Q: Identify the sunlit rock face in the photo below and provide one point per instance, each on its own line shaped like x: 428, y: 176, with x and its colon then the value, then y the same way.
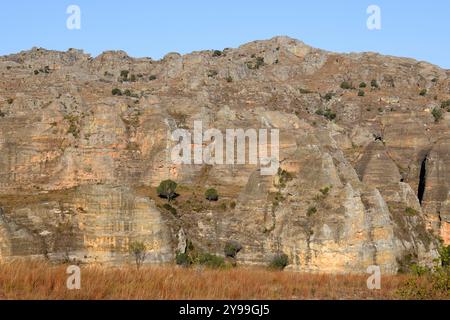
x: 364, y: 180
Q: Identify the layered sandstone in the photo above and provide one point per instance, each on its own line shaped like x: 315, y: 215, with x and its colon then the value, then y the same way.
x: 79, y: 166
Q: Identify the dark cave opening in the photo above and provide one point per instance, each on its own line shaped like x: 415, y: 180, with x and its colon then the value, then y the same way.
x: 422, y: 179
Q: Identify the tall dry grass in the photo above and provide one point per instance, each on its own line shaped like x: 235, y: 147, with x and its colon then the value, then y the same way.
x: 39, y: 280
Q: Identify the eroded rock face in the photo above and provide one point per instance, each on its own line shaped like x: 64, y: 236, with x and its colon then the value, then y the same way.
x: 79, y: 166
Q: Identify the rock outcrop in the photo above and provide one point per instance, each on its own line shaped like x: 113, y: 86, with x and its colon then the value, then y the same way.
x: 79, y: 165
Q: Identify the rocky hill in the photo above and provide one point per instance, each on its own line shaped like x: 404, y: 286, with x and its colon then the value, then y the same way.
x: 365, y: 156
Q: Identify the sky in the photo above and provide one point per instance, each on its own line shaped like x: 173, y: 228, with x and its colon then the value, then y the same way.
x: 149, y: 28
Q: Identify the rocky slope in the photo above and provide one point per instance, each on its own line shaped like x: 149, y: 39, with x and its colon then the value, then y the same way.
x: 79, y: 165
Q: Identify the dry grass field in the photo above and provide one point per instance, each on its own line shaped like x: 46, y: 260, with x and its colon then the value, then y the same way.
x: 38, y: 280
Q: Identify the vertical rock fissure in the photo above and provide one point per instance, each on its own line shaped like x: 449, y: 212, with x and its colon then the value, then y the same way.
x: 422, y: 180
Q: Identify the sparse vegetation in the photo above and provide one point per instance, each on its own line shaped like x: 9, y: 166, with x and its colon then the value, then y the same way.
x: 311, y: 211
x: 166, y: 189
x: 116, y: 92
x: 361, y: 93
x: 257, y: 63
x: 327, y: 113
x: 423, y: 92
x: 445, y: 104
x: 437, y: 114
x: 410, y: 211
x: 328, y: 96
x: 139, y: 251
x: 232, y: 248
x: 170, y: 209
x: 362, y: 85
x: 212, y: 194
x: 217, y: 53
x: 346, y: 85
x: 374, y: 84
x: 279, y: 261
x: 212, y: 73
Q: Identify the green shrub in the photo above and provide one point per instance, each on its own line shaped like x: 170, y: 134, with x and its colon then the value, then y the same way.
x: 423, y: 92
x: 362, y: 85
x: 437, y: 114
x: 183, y: 259
x: 152, y: 77
x: 311, y: 211
x: 410, y: 211
x: 139, y: 250
x: 346, y: 85
x: 374, y: 84
x: 127, y: 93
x: 445, y: 104
x: 166, y: 189
x: 328, y: 96
x: 232, y: 248
x: 361, y: 93
x: 212, y: 194
x: 124, y: 74
x: 210, y: 260
x: 116, y: 92
x: 279, y: 261
x: 217, y: 53
x: 328, y: 114
x: 169, y: 208
x: 212, y: 73
x: 444, y: 256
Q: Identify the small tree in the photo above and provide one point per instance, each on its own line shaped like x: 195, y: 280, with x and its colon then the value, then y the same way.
x: 166, y: 189
x: 437, y: 114
x: 212, y: 194
x: 374, y: 84
x: 139, y: 250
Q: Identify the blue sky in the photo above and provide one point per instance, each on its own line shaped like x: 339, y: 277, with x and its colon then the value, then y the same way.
x: 417, y: 29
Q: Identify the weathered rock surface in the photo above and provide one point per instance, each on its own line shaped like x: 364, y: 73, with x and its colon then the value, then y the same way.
x: 79, y: 166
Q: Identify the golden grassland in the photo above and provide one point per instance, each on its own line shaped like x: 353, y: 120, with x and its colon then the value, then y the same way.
x: 39, y: 280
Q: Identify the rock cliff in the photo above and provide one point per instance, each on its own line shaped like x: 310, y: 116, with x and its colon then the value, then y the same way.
x: 365, y: 157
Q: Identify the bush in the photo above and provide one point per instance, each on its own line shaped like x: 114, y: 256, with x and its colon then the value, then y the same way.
x: 444, y: 254
x: 124, y: 74
x: 212, y: 194
x: 328, y: 96
x: 410, y: 211
x: 311, y: 211
x: 445, y: 104
x: 328, y: 114
x: 116, y: 92
x: 437, y: 114
x: 374, y: 84
x: 166, y: 189
x: 217, y: 53
x: 279, y: 262
x: 362, y: 85
x: 423, y: 92
x: 346, y: 85
x: 152, y: 77
x: 361, y: 93
x: 210, y: 260
x: 232, y: 248
x: 212, y: 73
x: 127, y: 93
x: 10, y: 100
x: 139, y: 250
x: 171, y: 209
x: 183, y: 259
x: 229, y: 79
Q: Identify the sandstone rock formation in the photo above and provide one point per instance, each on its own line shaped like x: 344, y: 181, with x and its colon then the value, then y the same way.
x: 79, y: 165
